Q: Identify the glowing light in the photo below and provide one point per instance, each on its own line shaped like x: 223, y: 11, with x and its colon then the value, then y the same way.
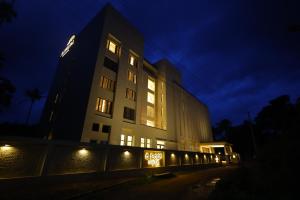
x: 196, y: 156
x: 219, y: 153
x: 154, y: 158
x: 6, y: 147
x: 233, y: 156
x: 186, y: 156
x: 69, y: 45
x: 83, y: 152
x: 217, y: 159
x: 172, y: 155
x: 126, y: 153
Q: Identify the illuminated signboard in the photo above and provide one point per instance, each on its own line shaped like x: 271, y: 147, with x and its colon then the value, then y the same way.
x: 154, y: 158
x: 69, y: 45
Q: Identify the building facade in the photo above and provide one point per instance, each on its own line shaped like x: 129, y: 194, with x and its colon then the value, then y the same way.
x: 105, y: 91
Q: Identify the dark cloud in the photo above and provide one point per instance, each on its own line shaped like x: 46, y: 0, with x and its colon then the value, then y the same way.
x: 234, y: 55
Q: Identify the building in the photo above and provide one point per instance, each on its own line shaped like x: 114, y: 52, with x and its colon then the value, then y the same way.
x: 105, y: 91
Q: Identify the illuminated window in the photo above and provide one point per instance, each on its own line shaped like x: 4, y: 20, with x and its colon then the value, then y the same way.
x: 150, y: 98
x: 148, y: 143
x: 142, y: 142
x: 150, y: 111
x: 151, y: 85
x: 103, y: 105
x: 160, y: 144
x: 132, y: 76
x: 129, y: 113
x: 133, y: 60
x: 107, y: 83
x: 130, y: 94
x: 150, y: 123
x: 122, y: 141
x: 112, y: 46
x: 129, y: 140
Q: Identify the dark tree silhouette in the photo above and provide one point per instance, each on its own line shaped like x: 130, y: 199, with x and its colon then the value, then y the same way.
x: 34, y: 95
x: 224, y: 127
x: 7, y: 13
x: 7, y: 89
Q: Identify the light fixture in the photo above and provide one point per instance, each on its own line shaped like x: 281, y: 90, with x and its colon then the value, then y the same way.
x: 83, y: 152
x: 126, y: 153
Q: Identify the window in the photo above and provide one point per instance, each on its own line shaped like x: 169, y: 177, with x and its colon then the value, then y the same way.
x: 103, y: 105
x: 148, y: 143
x: 130, y: 94
x: 56, y: 98
x: 122, y: 141
x: 113, y: 46
x: 151, y: 85
x: 129, y: 140
x: 107, y: 83
x: 150, y: 123
x: 133, y: 60
x: 95, y: 127
x: 132, y: 76
x: 129, y: 113
x: 51, y: 116
x: 142, y: 142
x: 150, y: 111
x: 106, y: 129
x: 150, y: 98
x: 160, y: 144
x: 110, y: 64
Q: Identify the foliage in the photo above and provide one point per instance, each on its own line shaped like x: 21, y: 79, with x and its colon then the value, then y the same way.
x: 272, y: 175
x: 7, y: 89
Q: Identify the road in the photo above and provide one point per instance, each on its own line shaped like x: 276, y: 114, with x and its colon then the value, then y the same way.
x: 188, y: 185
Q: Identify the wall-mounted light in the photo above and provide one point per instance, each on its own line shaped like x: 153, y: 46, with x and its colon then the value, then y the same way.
x: 186, y: 156
x: 83, y: 152
x: 126, y: 153
x: 6, y: 147
x: 217, y: 159
x: 233, y: 156
x: 196, y: 156
x: 219, y: 153
x: 172, y: 155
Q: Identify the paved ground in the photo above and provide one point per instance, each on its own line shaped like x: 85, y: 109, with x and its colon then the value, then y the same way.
x: 188, y: 185
x: 184, y: 185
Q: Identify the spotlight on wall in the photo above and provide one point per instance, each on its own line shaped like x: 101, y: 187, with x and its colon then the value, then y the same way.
x: 172, y: 155
x: 5, y: 147
x: 196, y: 156
x: 233, y: 156
x: 186, y: 156
x: 83, y: 152
x: 126, y: 153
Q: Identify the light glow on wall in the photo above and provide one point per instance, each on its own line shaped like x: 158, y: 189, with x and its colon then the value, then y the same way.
x: 126, y: 153
x: 172, y: 155
x: 69, y: 45
x: 6, y: 147
x: 154, y: 158
x: 83, y: 152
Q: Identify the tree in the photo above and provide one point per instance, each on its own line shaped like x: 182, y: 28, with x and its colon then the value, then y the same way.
x: 34, y: 95
x: 7, y: 13
x: 223, y: 127
x: 7, y: 89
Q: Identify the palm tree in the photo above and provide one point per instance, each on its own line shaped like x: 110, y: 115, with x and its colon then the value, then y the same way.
x: 34, y: 95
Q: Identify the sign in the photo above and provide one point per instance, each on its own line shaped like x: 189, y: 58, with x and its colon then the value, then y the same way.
x: 154, y: 158
x: 69, y: 45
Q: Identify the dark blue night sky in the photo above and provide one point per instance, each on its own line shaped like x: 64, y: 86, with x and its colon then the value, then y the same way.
x: 234, y: 55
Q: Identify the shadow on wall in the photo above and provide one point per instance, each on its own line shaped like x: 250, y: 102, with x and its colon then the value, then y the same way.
x: 29, y: 158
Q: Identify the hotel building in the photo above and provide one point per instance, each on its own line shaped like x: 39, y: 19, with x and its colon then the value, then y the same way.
x: 106, y: 92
